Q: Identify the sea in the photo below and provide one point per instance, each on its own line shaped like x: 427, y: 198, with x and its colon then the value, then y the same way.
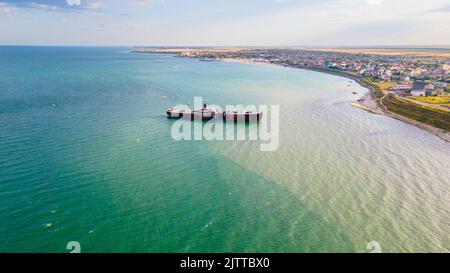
x: 87, y: 156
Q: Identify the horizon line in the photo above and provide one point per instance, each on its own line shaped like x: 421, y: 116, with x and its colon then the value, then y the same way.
x: 241, y: 46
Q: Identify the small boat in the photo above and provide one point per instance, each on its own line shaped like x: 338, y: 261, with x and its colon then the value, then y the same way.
x: 355, y: 93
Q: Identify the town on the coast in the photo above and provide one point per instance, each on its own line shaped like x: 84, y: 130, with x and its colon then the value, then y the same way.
x: 405, y: 75
x: 408, y: 84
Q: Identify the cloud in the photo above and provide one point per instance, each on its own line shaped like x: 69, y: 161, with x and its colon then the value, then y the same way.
x: 230, y: 22
x: 142, y: 1
x: 445, y: 8
x: 73, y: 2
x: 6, y: 8
x: 92, y: 4
x: 51, y: 5
x: 43, y: 6
x: 374, y: 2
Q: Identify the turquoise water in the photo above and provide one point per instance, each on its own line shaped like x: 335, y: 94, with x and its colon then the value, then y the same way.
x: 86, y: 155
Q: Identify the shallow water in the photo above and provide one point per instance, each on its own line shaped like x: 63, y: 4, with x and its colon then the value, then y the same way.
x: 86, y: 155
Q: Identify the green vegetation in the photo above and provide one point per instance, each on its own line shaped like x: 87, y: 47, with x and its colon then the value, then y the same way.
x: 386, y: 85
x: 427, y: 115
x: 377, y: 91
x: 435, y: 100
x: 434, y: 117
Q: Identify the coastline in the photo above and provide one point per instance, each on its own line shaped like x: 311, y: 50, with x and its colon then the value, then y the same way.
x: 369, y: 103
x: 373, y: 105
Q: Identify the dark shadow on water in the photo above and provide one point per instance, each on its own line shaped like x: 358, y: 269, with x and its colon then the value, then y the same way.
x: 261, y: 216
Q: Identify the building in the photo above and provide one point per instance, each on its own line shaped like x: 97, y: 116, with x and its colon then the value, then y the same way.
x: 441, y: 85
x: 418, y: 89
x: 430, y: 90
x: 401, y: 87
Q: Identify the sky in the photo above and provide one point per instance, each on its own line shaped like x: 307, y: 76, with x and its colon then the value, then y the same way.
x: 226, y: 22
